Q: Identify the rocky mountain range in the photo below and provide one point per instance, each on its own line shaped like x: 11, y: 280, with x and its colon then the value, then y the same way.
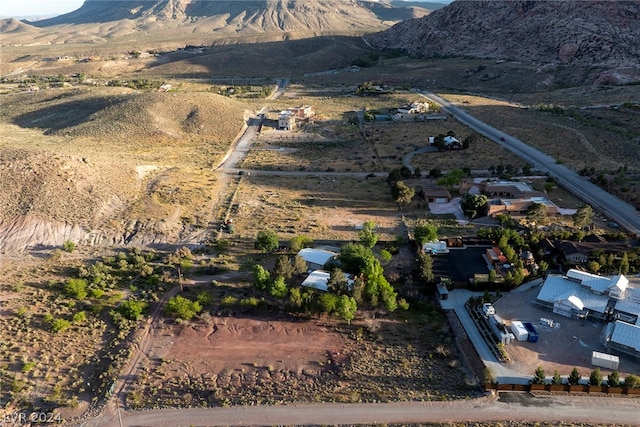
x: 602, y: 34
x: 98, y: 20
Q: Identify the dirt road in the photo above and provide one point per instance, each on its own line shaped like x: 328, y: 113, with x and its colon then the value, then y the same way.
x: 510, y: 406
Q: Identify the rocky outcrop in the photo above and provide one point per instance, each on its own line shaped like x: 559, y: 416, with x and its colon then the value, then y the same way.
x: 596, y: 33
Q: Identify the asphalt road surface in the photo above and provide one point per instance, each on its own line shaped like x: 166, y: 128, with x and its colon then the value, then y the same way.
x: 623, y: 213
x: 510, y: 406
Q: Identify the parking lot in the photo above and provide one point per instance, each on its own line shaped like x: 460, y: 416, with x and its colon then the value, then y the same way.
x: 563, y: 348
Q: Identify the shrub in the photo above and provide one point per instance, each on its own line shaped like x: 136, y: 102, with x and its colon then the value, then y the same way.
x: 182, y: 308
x: 69, y: 246
x: 79, y: 317
x: 261, y: 277
x: 632, y: 381
x: 76, y: 288
x: 229, y: 301
x: 279, y: 288
x: 300, y: 242
x: 596, y: 377
x: 557, y: 379
x: 328, y: 302
x: 28, y: 366
x: 539, y: 376
x: 60, y: 325
x: 613, y: 380
x: 132, y: 309
x: 574, y: 377
x: 267, y: 241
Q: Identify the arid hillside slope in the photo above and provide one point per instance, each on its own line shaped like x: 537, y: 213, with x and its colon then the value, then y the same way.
x: 600, y: 34
x: 100, y: 20
x: 110, y: 166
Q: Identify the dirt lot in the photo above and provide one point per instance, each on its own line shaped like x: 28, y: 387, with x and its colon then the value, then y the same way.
x: 564, y: 348
x: 248, y: 355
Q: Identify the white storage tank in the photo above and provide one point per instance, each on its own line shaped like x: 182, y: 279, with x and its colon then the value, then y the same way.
x: 604, y: 360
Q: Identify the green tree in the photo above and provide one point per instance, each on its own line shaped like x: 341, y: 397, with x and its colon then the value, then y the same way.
x: 299, y: 265
x: 283, y: 268
x: 537, y: 213
x: 338, y: 283
x: 267, y: 241
x: 295, y: 298
x: 596, y: 377
x: 425, y: 267
x: 300, y: 242
x: 182, y: 308
x: 452, y: 178
x: 132, y: 309
x: 354, y: 257
x: 557, y: 379
x: 346, y: 308
x: 574, y: 377
x: 474, y: 205
x: 402, y: 194
x: 632, y: 381
x: 583, y: 216
x: 76, y: 288
x: 279, y: 288
x: 261, y: 278
x: 624, y: 264
x: 438, y: 142
x: 368, y: 237
x: 425, y: 232
x: 539, y: 376
x: 328, y: 302
x: 613, y: 380
x: 492, y: 275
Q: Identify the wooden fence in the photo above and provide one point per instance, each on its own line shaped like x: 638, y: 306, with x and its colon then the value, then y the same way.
x: 581, y: 388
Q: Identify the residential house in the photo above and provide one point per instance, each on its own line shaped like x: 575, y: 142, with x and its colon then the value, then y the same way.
x: 519, y: 207
x: 286, y: 120
x: 572, y: 253
x: 436, y: 195
x: 452, y: 143
x: 414, y: 108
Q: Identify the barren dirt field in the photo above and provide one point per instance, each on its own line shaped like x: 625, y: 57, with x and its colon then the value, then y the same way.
x: 245, y: 355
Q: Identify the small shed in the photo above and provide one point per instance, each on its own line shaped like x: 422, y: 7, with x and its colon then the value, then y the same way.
x: 316, y: 258
x: 317, y: 279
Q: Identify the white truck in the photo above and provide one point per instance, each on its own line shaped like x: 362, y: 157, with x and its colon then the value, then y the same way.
x: 488, y: 309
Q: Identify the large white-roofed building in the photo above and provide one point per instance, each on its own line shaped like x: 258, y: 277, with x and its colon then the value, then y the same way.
x: 579, y: 294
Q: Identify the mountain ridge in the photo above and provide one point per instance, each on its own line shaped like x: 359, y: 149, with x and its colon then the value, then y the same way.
x: 600, y: 33
x: 98, y: 20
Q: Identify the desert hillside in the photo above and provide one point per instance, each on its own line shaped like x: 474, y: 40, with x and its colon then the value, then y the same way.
x: 100, y: 20
x: 110, y: 165
x: 600, y: 34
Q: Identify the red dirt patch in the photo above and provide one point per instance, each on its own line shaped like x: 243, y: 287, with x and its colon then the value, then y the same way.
x: 219, y: 343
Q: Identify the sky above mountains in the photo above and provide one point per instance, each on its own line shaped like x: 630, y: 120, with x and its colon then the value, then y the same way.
x: 48, y: 8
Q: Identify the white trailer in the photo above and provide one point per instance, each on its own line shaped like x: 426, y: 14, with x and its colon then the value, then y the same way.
x: 604, y: 360
x: 519, y: 331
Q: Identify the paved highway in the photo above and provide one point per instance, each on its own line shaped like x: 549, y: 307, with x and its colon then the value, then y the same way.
x: 623, y: 213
